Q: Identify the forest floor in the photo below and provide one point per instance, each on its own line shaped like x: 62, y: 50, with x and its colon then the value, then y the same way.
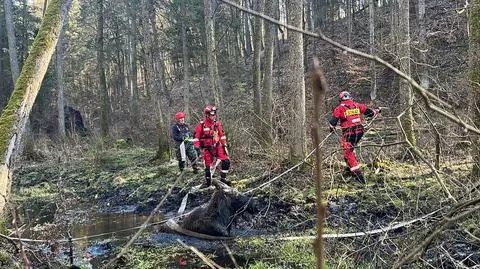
x: 57, y: 200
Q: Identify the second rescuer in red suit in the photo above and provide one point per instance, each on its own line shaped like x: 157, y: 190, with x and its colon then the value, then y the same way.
x: 209, y: 137
x: 349, y: 114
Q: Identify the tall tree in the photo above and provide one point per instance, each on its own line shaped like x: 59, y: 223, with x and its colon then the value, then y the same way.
x: 257, y: 71
x: 132, y: 60
x: 212, y: 52
x: 105, y: 110
x: 247, y: 36
x: 186, y: 63
x: 267, y: 100
x: 371, y: 23
x: 474, y: 77
x: 310, y: 17
x: 14, y: 116
x: 156, y: 84
x: 295, y: 80
x: 60, y: 83
x: 349, y: 14
x: 12, y: 43
x: 424, y: 80
x: 158, y: 59
x: 405, y: 90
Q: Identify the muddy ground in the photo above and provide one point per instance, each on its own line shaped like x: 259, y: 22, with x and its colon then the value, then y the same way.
x: 107, y: 196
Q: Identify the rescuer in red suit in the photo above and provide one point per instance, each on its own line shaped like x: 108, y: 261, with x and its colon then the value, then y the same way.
x: 211, y: 141
x: 349, y: 114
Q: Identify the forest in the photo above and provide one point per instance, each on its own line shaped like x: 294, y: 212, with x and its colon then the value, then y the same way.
x: 240, y: 134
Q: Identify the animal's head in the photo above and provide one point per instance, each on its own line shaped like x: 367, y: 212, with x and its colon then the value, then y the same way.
x: 241, y: 203
x: 230, y: 204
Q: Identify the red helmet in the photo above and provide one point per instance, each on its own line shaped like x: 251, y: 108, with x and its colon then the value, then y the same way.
x: 179, y: 115
x: 344, y: 96
x: 210, y: 110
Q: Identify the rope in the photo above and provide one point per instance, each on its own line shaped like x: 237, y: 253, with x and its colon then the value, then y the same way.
x: 180, y: 211
x: 174, y: 226
x: 291, y: 168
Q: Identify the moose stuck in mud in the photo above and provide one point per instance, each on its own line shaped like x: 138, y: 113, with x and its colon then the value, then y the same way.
x: 214, y: 219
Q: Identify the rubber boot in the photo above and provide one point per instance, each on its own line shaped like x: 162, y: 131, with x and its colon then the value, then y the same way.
x: 359, y: 176
x: 207, y: 183
x: 195, y: 169
x: 181, y: 165
x: 208, y: 179
x: 223, y: 178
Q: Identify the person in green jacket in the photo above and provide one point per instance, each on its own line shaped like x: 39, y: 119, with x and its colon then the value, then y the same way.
x: 184, y: 143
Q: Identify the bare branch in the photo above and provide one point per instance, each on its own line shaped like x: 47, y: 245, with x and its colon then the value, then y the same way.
x: 447, y: 222
x: 202, y: 256
x: 419, y: 154
x: 319, y: 88
x: 144, y: 225
x: 426, y: 95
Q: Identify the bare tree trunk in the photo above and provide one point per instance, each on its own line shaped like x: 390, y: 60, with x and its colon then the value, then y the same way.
x: 15, y: 114
x: 132, y: 62
x: 12, y: 43
x: 405, y: 91
x: 155, y: 79
x: 105, y: 110
x: 295, y: 81
x: 257, y: 71
x: 322, y: 13
x: 310, y: 16
x: 394, y: 24
x: 349, y: 22
x: 246, y: 32
x: 158, y: 59
x: 267, y: 115
x: 60, y: 84
x: 240, y: 33
x: 474, y: 78
x: 371, y: 9
x: 319, y: 88
x: 424, y: 80
x: 211, y: 53
x: 186, y: 65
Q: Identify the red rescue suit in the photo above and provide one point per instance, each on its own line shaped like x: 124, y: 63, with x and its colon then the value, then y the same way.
x: 349, y: 113
x: 210, y: 138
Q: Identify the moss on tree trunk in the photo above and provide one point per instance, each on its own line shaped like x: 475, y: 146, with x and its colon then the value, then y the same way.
x: 15, y: 114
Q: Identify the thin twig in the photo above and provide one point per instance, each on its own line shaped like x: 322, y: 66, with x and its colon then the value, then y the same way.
x: 230, y: 254
x: 144, y: 225
x: 202, y: 256
x: 22, y: 248
x: 447, y: 222
x: 291, y: 168
x: 385, y: 229
x: 419, y: 154
x: 9, y: 239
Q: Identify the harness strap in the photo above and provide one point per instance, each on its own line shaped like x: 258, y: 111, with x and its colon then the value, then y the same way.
x: 215, y: 127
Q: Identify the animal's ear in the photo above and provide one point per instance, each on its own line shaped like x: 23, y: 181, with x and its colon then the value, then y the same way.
x: 253, y: 206
x: 224, y: 207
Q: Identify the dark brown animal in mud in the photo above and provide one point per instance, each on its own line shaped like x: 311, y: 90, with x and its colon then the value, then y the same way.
x: 218, y: 215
